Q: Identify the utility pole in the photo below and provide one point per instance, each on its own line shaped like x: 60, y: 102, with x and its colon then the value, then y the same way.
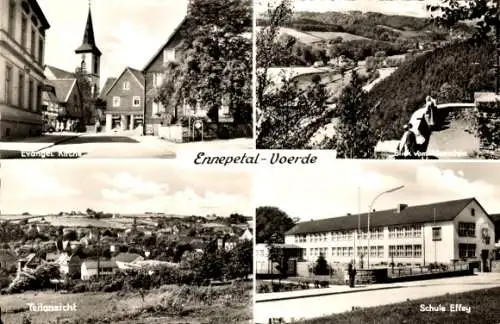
x: 98, y: 252
x: 435, y: 246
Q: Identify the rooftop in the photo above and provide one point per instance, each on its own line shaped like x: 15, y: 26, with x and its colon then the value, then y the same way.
x: 439, y: 212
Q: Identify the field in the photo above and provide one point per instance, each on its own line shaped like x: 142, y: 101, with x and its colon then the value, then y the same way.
x: 333, y: 35
x: 483, y: 309
x: 309, y: 37
x: 79, y: 221
x: 168, y: 304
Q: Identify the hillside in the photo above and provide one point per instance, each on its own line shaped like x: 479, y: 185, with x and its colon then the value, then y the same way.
x: 452, y: 74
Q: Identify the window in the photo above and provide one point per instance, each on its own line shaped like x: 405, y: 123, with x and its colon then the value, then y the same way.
x: 40, y: 50
x: 466, y: 250
x: 373, y: 251
x: 157, y: 79
x: 418, y: 231
x: 436, y: 233
x: 169, y: 55
x: 24, y: 30
x: 408, y: 251
x: 400, y: 250
x: 96, y: 65
x: 417, y: 251
x: 30, y: 95
x: 466, y: 229
x: 116, y: 101
x: 33, y: 41
x: 12, y: 17
x: 21, y: 93
x: 38, y: 97
x: 8, y: 84
x: 473, y: 212
x: 136, y: 101
x: 126, y: 85
x: 392, y: 250
x: 392, y: 232
x: 351, y: 251
x: 380, y: 251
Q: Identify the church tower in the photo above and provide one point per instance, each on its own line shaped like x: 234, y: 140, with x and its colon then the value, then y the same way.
x: 90, y: 56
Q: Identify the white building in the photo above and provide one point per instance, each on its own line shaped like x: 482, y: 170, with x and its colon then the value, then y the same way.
x: 22, y: 48
x: 106, y: 268
x: 418, y: 235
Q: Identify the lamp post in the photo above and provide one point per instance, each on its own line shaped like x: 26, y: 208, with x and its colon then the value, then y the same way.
x: 144, y: 104
x: 369, y: 214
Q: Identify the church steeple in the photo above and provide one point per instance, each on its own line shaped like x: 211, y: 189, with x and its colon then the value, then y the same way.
x: 88, y: 43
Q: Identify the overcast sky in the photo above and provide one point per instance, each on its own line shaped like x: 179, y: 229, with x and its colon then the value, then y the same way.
x: 398, y: 7
x: 50, y: 186
x: 128, y: 32
x: 332, y: 190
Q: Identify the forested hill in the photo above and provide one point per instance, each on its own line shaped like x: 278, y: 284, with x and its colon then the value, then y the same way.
x: 452, y: 74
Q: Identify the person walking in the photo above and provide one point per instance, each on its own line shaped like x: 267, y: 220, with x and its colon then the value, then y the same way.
x: 431, y: 112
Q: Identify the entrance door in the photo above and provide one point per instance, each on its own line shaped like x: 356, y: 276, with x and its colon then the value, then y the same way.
x: 484, y: 261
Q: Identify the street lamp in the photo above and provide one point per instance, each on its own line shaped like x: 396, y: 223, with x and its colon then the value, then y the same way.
x: 369, y: 214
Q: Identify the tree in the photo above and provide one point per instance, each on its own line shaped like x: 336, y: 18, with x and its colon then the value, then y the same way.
x: 240, y: 263
x: 272, y: 221
x: 321, y: 267
x: 483, y: 12
x: 215, y: 63
x: 354, y: 138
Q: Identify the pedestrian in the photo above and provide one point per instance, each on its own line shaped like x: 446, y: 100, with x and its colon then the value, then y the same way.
x: 408, y: 143
x: 352, y: 274
x: 432, y: 112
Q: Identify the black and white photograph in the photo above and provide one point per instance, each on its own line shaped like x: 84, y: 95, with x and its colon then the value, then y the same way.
x: 124, y: 78
x: 373, y: 79
x: 95, y: 241
x: 370, y: 242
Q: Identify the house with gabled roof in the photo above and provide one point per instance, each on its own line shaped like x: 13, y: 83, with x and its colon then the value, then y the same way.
x: 442, y: 232
x: 124, y: 101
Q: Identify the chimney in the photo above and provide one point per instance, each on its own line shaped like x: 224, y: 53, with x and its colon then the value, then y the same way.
x: 400, y: 208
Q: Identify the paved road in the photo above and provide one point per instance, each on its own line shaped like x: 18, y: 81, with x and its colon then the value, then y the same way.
x: 311, y: 307
x: 107, y: 146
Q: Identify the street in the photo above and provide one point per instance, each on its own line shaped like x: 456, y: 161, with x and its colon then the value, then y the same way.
x: 112, y: 145
x: 339, y: 302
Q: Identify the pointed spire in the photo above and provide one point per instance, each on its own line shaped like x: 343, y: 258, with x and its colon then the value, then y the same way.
x: 88, y: 43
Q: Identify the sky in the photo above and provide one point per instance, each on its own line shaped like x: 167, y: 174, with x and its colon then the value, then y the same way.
x: 332, y: 190
x: 415, y: 8
x: 118, y: 186
x: 128, y: 32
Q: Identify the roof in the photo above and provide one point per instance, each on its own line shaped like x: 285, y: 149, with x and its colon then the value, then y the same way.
x: 39, y: 13
x: 107, y: 86
x: 169, y: 39
x: 63, y: 88
x: 136, y: 73
x: 88, y: 43
x: 103, y: 264
x: 60, y: 73
x: 495, y: 217
x: 126, y: 257
x: 444, y: 211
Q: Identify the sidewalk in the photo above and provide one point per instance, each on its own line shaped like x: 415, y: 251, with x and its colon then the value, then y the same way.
x: 317, y: 292
x: 38, y: 143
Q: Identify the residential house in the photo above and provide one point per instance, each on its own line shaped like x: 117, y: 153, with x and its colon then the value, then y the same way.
x: 69, y: 264
x: 106, y: 268
x: 31, y: 261
x: 247, y: 235
x: 441, y: 232
x: 123, y: 260
x: 154, y: 76
x: 22, y: 44
x: 124, y: 101
x: 8, y: 258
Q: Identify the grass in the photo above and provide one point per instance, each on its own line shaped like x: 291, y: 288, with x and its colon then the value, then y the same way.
x: 483, y: 309
x: 168, y: 304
